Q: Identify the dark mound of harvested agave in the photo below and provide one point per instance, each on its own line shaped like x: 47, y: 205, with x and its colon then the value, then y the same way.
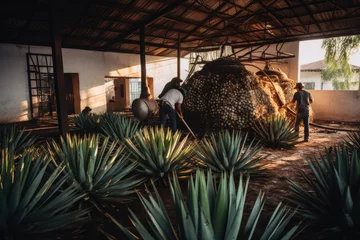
x: 224, y: 95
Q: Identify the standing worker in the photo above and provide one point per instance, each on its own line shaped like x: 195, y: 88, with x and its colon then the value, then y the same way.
x: 171, y: 102
x: 303, y: 100
x: 174, y: 83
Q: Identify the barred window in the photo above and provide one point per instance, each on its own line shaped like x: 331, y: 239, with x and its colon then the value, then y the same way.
x: 309, y: 85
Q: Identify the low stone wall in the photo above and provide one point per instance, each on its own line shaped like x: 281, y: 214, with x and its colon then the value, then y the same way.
x: 336, y: 105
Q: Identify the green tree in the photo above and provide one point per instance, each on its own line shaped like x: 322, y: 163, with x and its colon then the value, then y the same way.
x: 337, y: 55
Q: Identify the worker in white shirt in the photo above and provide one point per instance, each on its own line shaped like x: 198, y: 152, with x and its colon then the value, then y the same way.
x: 171, y: 102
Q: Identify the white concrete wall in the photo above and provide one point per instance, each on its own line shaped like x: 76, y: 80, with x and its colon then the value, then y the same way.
x: 14, y: 90
x: 336, y: 105
x: 161, y: 69
x: 92, y: 67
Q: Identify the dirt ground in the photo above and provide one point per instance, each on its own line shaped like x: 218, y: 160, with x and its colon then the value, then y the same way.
x: 286, y: 163
x: 281, y: 164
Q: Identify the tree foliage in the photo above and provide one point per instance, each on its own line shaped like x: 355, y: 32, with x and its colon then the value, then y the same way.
x: 337, y: 56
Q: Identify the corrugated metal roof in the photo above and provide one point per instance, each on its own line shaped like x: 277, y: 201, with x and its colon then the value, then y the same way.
x: 318, y: 66
x: 113, y: 25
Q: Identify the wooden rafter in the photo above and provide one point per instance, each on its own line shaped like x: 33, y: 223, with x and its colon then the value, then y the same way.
x: 275, y: 18
x: 190, y: 22
x: 274, y: 28
x: 302, y: 37
x: 145, y: 22
x: 246, y: 8
x: 123, y: 9
x: 234, y: 16
x: 311, y: 15
x: 83, y: 12
x: 203, y: 21
x: 297, y: 16
x: 259, y: 13
x: 227, y: 20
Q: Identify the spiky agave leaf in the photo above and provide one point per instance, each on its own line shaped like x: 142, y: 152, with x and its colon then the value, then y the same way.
x: 118, y: 127
x: 87, y: 122
x: 227, y: 151
x: 209, y: 212
x: 160, y: 152
x: 33, y: 202
x: 16, y: 140
x: 103, y: 172
x: 276, y: 131
x: 333, y: 200
x: 352, y: 139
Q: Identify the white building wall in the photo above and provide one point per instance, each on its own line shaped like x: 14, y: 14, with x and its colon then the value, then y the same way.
x: 316, y: 78
x: 92, y: 67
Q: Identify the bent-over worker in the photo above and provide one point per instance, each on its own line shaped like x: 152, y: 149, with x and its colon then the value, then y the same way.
x: 303, y: 100
x: 171, y: 102
x: 174, y: 83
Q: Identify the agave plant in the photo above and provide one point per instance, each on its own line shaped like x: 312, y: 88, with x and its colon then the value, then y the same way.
x: 227, y: 152
x: 118, y: 127
x: 15, y: 139
x: 87, y: 122
x: 333, y: 200
x: 160, y: 152
x: 353, y: 139
x: 32, y: 202
x: 209, y: 212
x: 104, y: 173
x: 276, y: 131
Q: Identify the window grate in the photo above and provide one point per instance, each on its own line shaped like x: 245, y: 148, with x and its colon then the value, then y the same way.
x: 135, y: 88
x: 41, y: 84
x: 309, y: 85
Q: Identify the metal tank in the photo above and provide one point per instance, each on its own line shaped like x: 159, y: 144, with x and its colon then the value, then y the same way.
x: 144, y: 108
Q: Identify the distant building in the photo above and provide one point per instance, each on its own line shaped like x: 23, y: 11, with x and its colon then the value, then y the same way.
x: 310, y: 76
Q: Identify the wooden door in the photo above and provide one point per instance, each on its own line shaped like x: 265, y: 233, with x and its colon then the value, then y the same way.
x: 121, y: 85
x: 150, y: 83
x: 72, y: 92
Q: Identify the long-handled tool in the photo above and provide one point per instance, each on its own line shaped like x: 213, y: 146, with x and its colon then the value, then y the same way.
x: 187, y: 126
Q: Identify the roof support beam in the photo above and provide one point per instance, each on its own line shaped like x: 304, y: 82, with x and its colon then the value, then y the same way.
x: 178, y: 55
x: 61, y: 104
x: 144, y: 87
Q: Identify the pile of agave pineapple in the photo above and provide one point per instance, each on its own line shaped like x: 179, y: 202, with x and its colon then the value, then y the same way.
x: 224, y: 95
x: 61, y: 188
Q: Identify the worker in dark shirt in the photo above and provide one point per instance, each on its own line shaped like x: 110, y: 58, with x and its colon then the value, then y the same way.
x: 303, y: 100
x: 174, y: 83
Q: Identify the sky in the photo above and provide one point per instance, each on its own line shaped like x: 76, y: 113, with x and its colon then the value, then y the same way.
x: 311, y: 51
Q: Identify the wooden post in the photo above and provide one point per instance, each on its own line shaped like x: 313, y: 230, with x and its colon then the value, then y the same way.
x: 144, y: 90
x: 56, y: 20
x: 178, y: 57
